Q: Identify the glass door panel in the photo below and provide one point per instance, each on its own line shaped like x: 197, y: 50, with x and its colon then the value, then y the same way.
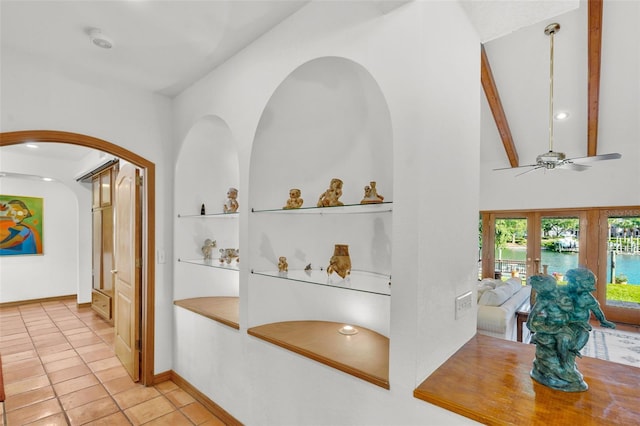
x: 559, y: 245
x: 510, y: 241
x: 623, y: 262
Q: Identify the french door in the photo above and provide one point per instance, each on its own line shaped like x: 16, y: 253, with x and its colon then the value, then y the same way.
x: 604, y: 240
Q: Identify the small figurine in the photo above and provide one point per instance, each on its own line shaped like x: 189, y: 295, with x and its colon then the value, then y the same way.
x: 307, y: 270
x: 231, y: 205
x: 340, y: 262
x: 371, y: 195
x: 330, y: 197
x: 227, y: 255
x: 294, y: 201
x: 202, y: 210
x: 283, y: 266
x: 207, y: 248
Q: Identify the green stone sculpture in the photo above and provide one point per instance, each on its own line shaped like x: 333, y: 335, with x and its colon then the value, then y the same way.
x: 559, y: 321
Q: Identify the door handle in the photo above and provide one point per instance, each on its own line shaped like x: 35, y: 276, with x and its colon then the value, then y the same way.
x: 114, y: 271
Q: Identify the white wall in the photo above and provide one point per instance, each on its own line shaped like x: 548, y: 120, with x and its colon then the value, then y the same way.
x: 429, y: 78
x: 38, y: 96
x: 56, y: 271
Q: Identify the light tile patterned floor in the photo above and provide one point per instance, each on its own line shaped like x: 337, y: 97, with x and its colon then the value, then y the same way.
x: 60, y: 369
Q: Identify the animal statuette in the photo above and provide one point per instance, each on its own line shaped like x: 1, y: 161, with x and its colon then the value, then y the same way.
x: 231, y: 205
x: 207, y: 248
x: 229, y: 254
x: 371, y: 195
x: 340, y: 262
x: 283, y: 266
x: 294, y: 201
x: 330, y: 197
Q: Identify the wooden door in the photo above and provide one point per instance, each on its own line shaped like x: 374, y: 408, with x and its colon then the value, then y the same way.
x: 127, y: 270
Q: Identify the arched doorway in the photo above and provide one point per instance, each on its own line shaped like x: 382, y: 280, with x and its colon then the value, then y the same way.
x: 148, y: 228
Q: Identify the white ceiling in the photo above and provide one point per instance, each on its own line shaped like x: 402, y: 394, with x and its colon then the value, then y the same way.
x: 165, y: 46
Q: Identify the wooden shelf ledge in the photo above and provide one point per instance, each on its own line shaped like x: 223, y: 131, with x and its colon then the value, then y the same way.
x: 222, y: 309
x: 364, y: 355
x: 488, y: 380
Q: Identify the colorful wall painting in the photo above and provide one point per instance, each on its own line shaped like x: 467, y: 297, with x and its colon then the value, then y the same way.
x: 20, y: 225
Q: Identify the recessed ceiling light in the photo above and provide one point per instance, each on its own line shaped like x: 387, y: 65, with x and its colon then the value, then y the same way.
x: 47, y: 179
x: 99, y: 39
x: 32, y: 146
x: 561, y: 115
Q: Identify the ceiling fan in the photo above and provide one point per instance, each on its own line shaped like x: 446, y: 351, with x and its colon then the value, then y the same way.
x: 554, y: 159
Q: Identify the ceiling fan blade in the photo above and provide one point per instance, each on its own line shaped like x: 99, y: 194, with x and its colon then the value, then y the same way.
x: 574, y: 167
x: 601, y: 157
x: 519, y: 167
x: 531, y: 170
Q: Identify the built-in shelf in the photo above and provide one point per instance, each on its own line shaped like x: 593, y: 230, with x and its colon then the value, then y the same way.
x: 222, y: 309
x: 364, y: 355
x: 210, y: 215
x: 488, y: 380
x: 345, y: 209
x: 363, y: 281
x: 213, y: 263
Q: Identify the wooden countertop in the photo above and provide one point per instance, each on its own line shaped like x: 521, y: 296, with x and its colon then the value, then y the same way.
x: 364, y: 355
x: 488, y: 381
x: 225, y: 310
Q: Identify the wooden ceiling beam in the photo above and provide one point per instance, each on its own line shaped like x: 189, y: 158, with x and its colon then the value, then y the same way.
x: 491, y: 92
x: 595, y: 57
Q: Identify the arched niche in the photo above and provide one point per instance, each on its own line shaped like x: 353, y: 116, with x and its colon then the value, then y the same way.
x: 207, y: 166
x: 327, y: 119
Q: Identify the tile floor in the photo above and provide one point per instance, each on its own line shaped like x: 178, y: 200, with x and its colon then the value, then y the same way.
x: 60, y: 369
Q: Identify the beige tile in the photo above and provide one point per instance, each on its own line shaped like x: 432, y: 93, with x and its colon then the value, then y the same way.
x: 57, y: 356
x: 26, y: 385
x: 149, y: 410
x: 53, y: 349
x: 82, y: 396
x: 174, y: 418
x: 213, y: 422
x: 63, y: 363
x: 93, y: 410
x: 69, y: 324
x: 120, y: 384
x: 179, y: 398
x: 17, y: 374
x: 15, y: 342
x: 19, y: 356
x: 30, y: 397
x: 43, y: 331
x: 33, y: 412
x: 55, y: 420
x: 105, y: 364
x: 86, y: 341
x: 91, y: 348
x: 111, y: 373
x: 17, y: 348
x: 197, y: 413
x: 166, y: 386
x: 80, y: 336
x: 69, y: 373
x: 75, y: 331
x: 115, y: 419
x: 97, y: 355
x: 20, y: 363
x: 135, y: 396
x: 73, y: 385
x: 6, y: 338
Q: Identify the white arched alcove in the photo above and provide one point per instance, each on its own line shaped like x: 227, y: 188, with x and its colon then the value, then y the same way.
x: 207, y: 166
x: 327, y: 119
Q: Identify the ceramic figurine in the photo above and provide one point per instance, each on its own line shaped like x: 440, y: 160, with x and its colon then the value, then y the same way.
x: 283, y: 266
x: 294, y: 201
x: 207, y: 248
x: 228, y: 255
x: 330, y: 197
x: 371, y: 195
x: 340, y: 262
x: 231, y: 205
x: 559, y: 320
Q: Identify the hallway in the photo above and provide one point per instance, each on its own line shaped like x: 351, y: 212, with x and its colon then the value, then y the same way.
x: 60, y: 369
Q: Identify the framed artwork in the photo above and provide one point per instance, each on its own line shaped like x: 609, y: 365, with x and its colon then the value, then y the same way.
x: 20, y: 225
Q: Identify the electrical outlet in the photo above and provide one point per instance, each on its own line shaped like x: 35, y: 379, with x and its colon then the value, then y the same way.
x: 464, y: 303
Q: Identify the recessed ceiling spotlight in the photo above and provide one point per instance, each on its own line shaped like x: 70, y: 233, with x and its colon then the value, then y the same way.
x: 561, y: 115
x: 47, y: 179
x: 32, y: 146
x: 99, y: 39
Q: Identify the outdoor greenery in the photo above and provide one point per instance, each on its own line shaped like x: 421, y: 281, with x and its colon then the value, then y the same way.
x: 623, y: 292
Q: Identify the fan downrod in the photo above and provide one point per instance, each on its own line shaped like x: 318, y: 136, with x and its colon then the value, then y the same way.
x: 552, y: 28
